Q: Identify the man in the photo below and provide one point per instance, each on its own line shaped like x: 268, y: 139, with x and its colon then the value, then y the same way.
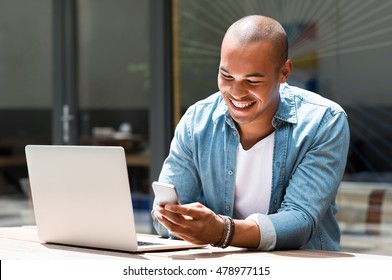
x: 258, y: 164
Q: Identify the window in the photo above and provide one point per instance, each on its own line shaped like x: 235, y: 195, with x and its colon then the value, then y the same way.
x: 340, y: 49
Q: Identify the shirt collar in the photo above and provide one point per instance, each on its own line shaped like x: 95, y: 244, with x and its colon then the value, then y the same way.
x: 286, y: 111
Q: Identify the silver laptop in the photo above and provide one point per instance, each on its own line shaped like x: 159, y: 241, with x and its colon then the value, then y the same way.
x: 81, y: 196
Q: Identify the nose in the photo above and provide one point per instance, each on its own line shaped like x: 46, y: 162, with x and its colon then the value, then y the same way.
x: 237, y: 89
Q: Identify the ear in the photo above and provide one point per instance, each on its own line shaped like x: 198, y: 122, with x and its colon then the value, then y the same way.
x: 285, y: 71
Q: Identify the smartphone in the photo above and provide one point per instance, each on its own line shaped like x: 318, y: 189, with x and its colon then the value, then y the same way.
x: 165, y: 193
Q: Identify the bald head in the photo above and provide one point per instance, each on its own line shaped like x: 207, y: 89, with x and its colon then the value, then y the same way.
x: 258, y: 28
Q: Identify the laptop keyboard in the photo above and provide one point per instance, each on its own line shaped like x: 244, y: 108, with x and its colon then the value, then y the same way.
x: 145, y: 243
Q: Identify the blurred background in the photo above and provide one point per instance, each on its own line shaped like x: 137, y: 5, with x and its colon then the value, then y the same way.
x: 122, y: 72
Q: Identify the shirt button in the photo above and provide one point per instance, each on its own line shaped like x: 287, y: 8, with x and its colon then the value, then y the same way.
x: 235, y: 133
x: 227, y: 207
x: 275, y: 201
x: 230, y: 172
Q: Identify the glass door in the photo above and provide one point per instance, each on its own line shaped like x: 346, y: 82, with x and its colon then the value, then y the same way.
x: 73, y: 73
x: 25, y: 98
x: 113, y: 87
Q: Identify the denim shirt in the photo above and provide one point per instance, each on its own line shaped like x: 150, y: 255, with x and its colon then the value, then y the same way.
x: 309, y: 158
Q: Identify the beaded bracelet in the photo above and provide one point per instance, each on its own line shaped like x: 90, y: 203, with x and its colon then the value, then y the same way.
x: 228, y: 232
x: 226, y: 229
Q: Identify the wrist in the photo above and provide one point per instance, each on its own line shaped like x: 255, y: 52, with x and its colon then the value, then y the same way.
x: 221, y: 226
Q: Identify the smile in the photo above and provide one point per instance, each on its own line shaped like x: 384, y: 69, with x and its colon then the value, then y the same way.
x: 241, y: 105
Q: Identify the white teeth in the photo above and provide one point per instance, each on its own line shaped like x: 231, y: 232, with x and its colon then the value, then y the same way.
x: 241, y: 105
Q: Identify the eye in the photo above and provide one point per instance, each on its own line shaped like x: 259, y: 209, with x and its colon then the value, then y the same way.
x: 226, y: 76
x: 253, y: 82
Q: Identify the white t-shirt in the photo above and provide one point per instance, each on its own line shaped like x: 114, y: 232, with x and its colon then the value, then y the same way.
x: 254, y: 178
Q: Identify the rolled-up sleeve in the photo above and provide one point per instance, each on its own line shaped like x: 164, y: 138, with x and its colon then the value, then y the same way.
x: 267, y: 232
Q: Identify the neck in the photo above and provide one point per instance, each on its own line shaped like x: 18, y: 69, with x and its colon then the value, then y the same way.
x: 250, y: 135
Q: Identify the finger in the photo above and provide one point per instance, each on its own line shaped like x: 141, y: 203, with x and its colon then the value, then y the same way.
x: 179, y: 230
x: 174, y: 217
x: 165, y: 221
x: 190, y: 210
x: 195, y: 231
x: 162, y: 219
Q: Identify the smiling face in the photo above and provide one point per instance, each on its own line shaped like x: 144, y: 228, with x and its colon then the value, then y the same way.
x: 247, y: 81
x: 249, y: 77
